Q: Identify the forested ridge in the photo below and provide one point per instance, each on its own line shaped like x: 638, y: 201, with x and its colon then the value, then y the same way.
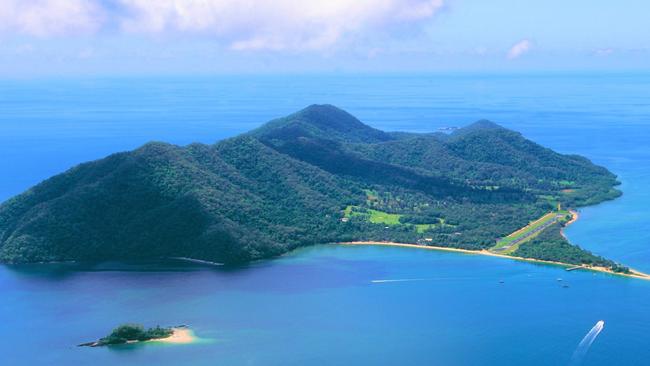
x: 317, y: 176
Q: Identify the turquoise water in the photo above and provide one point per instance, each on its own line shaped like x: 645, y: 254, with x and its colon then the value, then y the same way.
x: 320, y: 306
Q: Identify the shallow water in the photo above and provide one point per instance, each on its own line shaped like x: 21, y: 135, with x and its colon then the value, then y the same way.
x: 320, y: 305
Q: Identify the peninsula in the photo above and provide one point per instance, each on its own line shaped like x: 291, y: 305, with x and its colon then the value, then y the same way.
x: 554, y: 258
x: 316, y: 176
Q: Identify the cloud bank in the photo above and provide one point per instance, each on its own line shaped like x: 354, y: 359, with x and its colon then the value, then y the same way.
x: 519, y: 48
x: 240, y: 24
x: 50, y: 17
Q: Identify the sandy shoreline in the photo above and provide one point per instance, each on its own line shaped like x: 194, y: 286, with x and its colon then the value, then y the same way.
x: 633, y: 273
x: 179, y: 336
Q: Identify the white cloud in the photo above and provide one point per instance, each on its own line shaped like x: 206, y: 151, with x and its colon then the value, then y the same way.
x: 274, y: 25
x: 519, y: 48
x: 50, y: 17
x: 240, y: 24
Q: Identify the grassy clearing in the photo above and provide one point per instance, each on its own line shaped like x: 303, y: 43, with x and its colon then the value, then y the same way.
x: 380, y: 217
x: 373, y: 216
x: 421, y: 228
x: 385, y: 218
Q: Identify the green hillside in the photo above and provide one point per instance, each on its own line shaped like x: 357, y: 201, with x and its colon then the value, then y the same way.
x: 288, y: 184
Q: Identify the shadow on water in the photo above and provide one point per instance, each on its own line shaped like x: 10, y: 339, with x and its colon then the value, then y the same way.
x: 127, y: 348
x: 64, y: 270
x: 285, y: 274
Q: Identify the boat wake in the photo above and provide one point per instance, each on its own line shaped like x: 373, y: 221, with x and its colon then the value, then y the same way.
x: 586, y: 342
x: 401, y: 280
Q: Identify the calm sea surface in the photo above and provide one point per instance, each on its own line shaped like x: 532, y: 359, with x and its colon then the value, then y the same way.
x: 331, y: 305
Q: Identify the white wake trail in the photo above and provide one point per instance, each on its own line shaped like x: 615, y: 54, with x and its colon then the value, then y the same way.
x: 586, y: 342
x: 400, y: 280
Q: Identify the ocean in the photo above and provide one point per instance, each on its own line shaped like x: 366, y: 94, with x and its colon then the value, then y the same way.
x: 328, y: 304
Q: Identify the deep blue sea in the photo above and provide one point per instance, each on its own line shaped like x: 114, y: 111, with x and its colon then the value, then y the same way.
x: 335, y: 305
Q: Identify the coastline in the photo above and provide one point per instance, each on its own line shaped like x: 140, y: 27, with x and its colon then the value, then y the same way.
x: 574, y: 217
x: 180, y: 335
x: 633, y: 273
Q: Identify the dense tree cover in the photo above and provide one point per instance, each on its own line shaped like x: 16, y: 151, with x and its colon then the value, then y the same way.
x: 550, y: 245
x: 488, y: 156
x: 133, y: 332
x: 233, y: 202
x: 286, y: 184
x: 321, y: 122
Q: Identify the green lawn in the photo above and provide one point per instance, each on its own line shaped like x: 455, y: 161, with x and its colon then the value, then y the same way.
x: 373, y: 216
x: 380, y: 217
x: 385, y: 218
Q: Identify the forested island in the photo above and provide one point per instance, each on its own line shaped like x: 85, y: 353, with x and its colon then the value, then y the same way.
x: 317, y: 176
x: 131, y: 333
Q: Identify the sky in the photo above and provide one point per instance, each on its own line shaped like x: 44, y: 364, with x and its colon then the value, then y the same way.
x: 176, y: 37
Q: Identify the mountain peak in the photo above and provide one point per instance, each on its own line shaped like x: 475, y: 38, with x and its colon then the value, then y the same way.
x: 480, y: 125
x: 329, y: 116
x: 484, y: 124
x: 323, y: 109
x: 323, y: 121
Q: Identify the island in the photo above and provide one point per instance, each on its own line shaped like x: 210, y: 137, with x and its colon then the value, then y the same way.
x: 135, y: 333
x: 319, y: 175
